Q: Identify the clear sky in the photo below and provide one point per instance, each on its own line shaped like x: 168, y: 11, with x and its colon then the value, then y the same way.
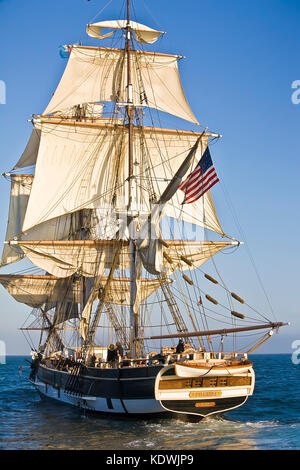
x: 241, y: 59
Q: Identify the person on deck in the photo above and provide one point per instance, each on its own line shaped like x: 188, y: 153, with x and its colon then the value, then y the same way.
x: 93, y: 359
x: 180, y: 347
x: 99, y: 362
x: 120, y: 351
x: 70, y: 362
x: 112, y: 355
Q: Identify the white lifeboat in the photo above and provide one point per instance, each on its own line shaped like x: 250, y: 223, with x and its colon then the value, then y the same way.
x: 201, y: 369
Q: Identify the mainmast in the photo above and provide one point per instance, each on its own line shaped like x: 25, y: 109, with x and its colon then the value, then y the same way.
x: 129, y: 107
x: 132, y: 247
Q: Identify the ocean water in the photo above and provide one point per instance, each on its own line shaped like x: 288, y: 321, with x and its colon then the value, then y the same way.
x: 268, y: 420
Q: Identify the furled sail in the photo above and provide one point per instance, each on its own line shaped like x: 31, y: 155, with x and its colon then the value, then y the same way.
x: 86, y: 257
x: 99, y: 74
x: 91, y: 258
x: 82, y: 112
x: 143, y: 33
x: 36, y: 290
x: 85, y: 163
x: 19, y: 194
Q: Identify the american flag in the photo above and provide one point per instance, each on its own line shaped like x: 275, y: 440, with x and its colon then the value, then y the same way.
x: 200, y: 180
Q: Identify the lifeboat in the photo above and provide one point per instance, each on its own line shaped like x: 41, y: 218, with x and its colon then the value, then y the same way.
x: 198, y: 369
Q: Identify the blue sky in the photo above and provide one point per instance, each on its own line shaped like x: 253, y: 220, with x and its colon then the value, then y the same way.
x: 241, y: 59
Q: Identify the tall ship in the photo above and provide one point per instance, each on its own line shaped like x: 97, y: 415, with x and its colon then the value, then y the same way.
x: 115, y: 213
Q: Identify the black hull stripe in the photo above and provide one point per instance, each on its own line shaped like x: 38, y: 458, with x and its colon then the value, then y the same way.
x: 101, y: 388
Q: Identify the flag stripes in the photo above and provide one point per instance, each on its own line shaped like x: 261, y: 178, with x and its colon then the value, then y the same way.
x: 200, y: 180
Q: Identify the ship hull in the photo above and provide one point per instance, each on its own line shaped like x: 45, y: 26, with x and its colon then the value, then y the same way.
x: 113, y: 391
x: 137, y: 391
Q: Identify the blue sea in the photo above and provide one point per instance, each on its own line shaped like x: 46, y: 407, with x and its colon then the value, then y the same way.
x: 269, y: 420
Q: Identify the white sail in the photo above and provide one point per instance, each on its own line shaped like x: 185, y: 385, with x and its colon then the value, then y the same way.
x: 167, y: 149
x: 99, y: 74
x: 197, y: 253
x: 29, y: 155
x: 65, y: 227
x: 91, y: 258
x: 89, y: 111
x: 143, y: 33
x: 62, y: 259
x: 35, y: 290
x: 60, y: 228
x: 77, y: 166
x: 82, y: 164
x: 19, y: 194
x: 202, y: 212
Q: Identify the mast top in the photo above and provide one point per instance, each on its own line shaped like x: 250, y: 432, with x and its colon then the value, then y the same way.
x: 143, y: 33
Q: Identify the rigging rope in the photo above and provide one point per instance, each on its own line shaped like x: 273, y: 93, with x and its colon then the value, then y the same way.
x: 242, y: 234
